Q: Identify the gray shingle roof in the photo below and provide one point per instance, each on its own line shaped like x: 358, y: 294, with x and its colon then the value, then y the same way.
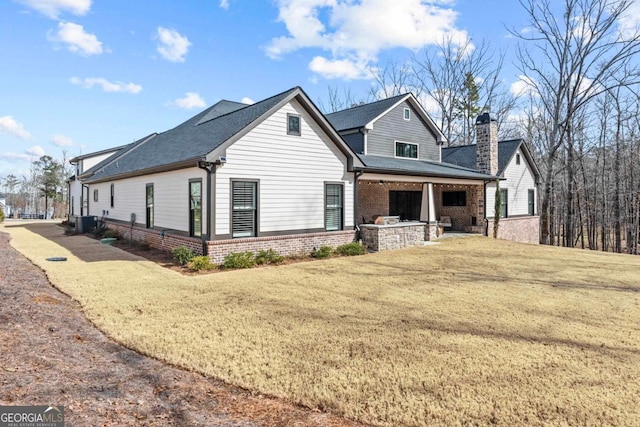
x: 357, y: 117
x: 120, y: 151
x: 465, y: 155
x: 95, y: 153
x: 189, y: 141
x: 419, y: 167
x: 221, y: 108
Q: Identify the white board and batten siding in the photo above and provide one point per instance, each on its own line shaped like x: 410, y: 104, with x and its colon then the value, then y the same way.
x: 171, y: 198
x: 292, y: 171
x: 89, y: 162
x: 75, y: 190
x: 75, y: 195
x: 519, y: 180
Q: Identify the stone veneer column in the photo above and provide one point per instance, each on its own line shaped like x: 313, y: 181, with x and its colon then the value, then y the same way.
x: 487, y: 144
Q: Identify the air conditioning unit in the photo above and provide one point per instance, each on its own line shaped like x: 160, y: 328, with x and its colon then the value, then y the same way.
x: 86, y: 224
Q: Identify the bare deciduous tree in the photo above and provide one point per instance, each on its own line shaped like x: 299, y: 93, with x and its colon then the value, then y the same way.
x: 337, y: 101
x: 569, y: 56
x: 444, y: 73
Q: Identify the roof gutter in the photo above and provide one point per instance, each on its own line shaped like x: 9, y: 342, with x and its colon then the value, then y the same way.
x: 485, y: 220
x: 439, y: 175
x: 82, y: 187
x: 356, y: 175
x: 210, y: 168
x: 184, y: 164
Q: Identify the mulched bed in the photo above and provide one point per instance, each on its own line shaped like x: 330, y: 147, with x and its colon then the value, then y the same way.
x: 50, y: 354
x: 166, y: 260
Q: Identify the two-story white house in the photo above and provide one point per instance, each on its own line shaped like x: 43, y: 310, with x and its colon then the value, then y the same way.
x: 279, y: 174
x: 78, y: 195
x: 407, y: 173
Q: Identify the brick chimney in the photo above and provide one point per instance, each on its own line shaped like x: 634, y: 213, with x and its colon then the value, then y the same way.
x: 487, y: 144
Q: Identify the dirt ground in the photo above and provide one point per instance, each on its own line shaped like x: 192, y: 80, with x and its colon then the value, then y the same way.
x: 50, y: 354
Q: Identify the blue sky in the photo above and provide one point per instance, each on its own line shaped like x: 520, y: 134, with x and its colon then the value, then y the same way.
x: 85, y: 75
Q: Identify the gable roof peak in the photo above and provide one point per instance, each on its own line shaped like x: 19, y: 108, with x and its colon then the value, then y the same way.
x: 195, y: 138
x: 361, y: 115
x: 377, y: 101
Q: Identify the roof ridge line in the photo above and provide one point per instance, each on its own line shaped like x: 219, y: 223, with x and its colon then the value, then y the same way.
x: 368, y: 103
x: 247, y: 105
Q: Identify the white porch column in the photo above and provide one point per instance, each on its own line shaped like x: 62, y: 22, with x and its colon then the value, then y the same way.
x: 428, y: 206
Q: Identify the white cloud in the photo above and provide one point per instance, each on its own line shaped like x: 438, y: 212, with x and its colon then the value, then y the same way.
x: 523, y: 86
x: 106, y: 85
x: 12, y: 157
x: 338, y: 68
x: 173, y: 46
x: 344, y: 27
x: 9, y: 157
x: 61, y: 141
x: 36, y: 151
x: 190, y: 100
x: 76, y: 39
x: 53, y: 8
x: 630, y: 21
x: 247, y: 100
x: 518, y: 116
x: 224, y: 4
x: 9, y: 125
x: 430, y: 105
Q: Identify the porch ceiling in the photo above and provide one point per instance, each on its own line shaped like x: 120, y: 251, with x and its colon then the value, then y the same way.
x: 419, y: 179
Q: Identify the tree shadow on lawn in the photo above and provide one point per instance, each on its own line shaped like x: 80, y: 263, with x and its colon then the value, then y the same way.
x: 475, y: 330
x: 479, y: 278
x: 405, y: 321
x: 82, y: 246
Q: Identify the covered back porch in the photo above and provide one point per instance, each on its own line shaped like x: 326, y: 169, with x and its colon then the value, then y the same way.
x: 424, y: 205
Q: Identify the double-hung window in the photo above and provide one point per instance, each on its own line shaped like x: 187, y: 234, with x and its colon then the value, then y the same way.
x: 149, y: 197
x: 406, y: 149
x: 504, y: 203
x: 195, y: 207
x: 244, y: 202
x: 532, y: 202
x: 334, y: 207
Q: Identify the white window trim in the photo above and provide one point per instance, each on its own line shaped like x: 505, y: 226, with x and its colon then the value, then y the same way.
x: 409, y: 143
x: 404, y: 114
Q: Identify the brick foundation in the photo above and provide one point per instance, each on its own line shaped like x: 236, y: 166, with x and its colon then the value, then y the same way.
x: 519, y: 229
x: 294, y: 244
x: 156, y: 238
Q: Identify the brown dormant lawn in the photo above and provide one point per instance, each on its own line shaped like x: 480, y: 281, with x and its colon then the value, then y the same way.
x: 471, y: 331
